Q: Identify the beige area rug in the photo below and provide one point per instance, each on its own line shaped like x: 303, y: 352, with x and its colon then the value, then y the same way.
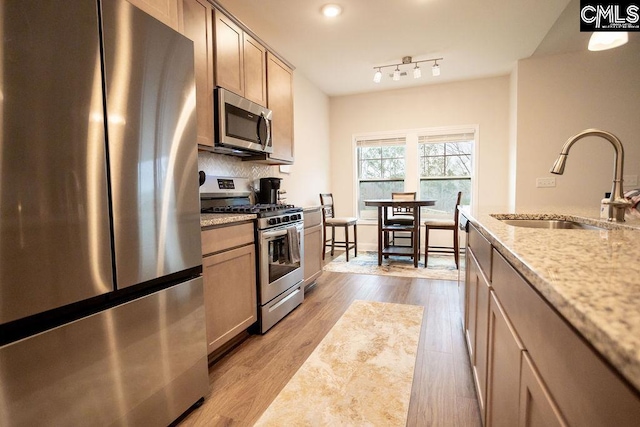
x: 441, y: 267
x: 361, y: 373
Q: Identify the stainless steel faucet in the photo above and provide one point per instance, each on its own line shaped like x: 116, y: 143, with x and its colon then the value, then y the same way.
x: 617, y: 202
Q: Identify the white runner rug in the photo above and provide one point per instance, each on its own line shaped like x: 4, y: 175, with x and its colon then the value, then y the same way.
x: 361, y: 373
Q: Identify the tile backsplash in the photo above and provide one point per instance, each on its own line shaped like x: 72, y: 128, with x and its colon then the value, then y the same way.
x: 223, y: 165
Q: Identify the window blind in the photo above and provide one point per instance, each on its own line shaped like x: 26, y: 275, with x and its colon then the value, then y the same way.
x: 381, y: 142
x: 450, y: 137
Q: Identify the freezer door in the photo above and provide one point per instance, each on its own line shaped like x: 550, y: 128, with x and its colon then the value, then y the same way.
x: 54, y: 219
x: 142, y: 363
x: 152, y: 145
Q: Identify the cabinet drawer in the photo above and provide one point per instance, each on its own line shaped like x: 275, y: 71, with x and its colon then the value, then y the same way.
x: 219, y: 239
x: 587, y: 390
x: 481, y: 248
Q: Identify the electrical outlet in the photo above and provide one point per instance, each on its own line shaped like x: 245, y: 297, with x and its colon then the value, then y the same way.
x: 545, y: 182
x: 630, y: 180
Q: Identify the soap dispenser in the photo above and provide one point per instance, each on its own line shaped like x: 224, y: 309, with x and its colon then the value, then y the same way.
x: 604, y: 206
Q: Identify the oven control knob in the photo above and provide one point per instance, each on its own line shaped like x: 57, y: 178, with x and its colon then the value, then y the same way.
x: 285, y: 218
x: 272, y: 221
x: 296, y: 216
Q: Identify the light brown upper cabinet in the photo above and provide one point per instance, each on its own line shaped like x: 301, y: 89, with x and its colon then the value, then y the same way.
x: 240, y: 61
x: 166, y: 11
x: 229, y: 58
x: 198, y: 26
x: 280, y: 101
x: 255, y: 70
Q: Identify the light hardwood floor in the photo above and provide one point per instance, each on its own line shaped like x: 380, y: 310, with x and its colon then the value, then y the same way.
x: 245, y: 381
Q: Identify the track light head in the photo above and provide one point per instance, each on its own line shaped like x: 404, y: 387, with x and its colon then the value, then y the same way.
x: 435, y: 70
x: 377, y: 76
x: 396, y: 74
x: 416, y: 72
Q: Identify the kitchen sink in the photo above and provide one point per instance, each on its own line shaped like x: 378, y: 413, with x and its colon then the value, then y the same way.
x: 551, y: 224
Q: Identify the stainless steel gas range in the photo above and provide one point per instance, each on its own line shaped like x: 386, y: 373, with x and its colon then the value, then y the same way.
x: 279, y: 240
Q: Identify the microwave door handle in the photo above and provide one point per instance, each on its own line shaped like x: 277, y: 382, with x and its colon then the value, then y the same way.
x: 267, y: 125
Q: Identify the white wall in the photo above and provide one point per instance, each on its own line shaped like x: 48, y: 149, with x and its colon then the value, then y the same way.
x: 483, y: 102
x: 561, y: 95
x: 309, y: 175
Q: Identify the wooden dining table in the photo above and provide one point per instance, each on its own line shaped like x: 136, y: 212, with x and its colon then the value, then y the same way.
x: 414, y: 249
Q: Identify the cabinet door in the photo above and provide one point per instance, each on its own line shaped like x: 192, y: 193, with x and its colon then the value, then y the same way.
x: 229, y: 294
x: 472, y: 276
x: 165, y: 11
x: 280, y: 101
x: 537, y: 408
x: 312, y: 254
x: 255, y: 71
x: 229, y: 58
x: 463, y: 279
x: 477, y: 333
x: 503, y: 366
x: 197, y: 25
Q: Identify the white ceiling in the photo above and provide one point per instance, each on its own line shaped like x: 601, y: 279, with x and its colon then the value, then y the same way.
x: 475, y: 38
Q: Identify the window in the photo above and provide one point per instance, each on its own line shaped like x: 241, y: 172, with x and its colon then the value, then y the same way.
x: 381, y: 171
x: 436, y: 163
x: 445, y: 169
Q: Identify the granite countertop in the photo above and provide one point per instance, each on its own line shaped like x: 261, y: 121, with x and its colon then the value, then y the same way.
x: 591, y: 277
x: 207, y: 220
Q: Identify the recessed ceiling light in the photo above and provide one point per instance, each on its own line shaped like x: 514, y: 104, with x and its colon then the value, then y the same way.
x: 331, y: 10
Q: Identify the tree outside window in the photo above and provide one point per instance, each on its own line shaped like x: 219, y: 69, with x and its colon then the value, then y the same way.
x: 445, y: 169
x: 381, y: 171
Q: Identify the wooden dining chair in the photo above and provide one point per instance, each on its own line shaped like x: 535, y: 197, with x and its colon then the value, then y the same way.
x: 444, y: 224
x: 330, y: 220
x: 400, y: 215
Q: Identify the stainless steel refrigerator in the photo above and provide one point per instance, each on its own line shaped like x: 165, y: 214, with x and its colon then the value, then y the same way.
x: 101, y: 305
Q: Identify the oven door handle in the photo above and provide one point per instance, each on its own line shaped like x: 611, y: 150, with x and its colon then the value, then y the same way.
x: 278, y: 233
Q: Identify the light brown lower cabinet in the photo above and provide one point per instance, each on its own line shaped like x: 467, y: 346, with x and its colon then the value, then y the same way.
x: 537, y: 408
x: 586, y: 390
x: 312, y: 246
x: 477, y: 330
x: 229, y: 283
x: 531, y: 368
x: 504, y: 362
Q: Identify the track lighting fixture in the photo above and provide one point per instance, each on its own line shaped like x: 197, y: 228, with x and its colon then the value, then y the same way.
x: 397, y: 73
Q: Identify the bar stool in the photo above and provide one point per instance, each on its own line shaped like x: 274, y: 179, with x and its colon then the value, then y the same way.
x: 329, y: 220
x: 443, y: 224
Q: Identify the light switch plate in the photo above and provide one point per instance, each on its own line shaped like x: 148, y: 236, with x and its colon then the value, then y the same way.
x: 545, y: 182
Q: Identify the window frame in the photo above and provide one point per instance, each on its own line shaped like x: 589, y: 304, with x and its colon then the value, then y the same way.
x: 443, y: 139
x: 373, y: 140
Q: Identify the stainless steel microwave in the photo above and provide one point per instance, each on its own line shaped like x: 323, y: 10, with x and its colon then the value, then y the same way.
x: 242, y: 127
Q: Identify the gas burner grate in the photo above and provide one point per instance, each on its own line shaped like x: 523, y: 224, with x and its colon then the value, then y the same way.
x: 255, y: 209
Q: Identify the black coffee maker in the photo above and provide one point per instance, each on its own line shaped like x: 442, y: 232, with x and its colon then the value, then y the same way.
x: 269, y: 190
